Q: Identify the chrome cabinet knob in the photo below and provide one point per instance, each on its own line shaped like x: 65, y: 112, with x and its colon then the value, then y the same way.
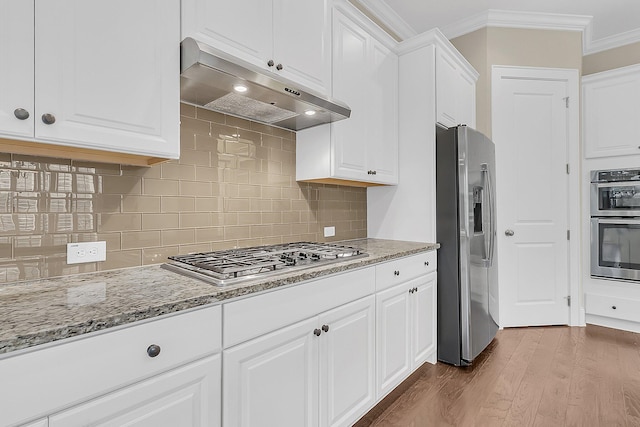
x: 509, y: 233
x: 48, y: 119
x: 279, y: 67
x: 153, y: 350
x: 325, y: 328
x: 426, y: 263
x: 317, y: 332
x: 21, y: 114
x: 271, y: 63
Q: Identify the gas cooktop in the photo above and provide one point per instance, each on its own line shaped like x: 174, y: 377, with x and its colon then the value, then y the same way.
x: 234, y: 265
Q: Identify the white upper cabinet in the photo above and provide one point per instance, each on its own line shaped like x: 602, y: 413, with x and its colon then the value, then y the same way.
x: 455, y: 90
x: 102, y: 80
x: 16, y: 68
x: 351, y: 68
x: 363, y: 149
x: 611, y: 112
x: 382, y: 154
x: 289, y: 37
x: 109, y: 79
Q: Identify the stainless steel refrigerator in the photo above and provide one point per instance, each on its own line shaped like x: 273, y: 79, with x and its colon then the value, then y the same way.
x: 466, y: 231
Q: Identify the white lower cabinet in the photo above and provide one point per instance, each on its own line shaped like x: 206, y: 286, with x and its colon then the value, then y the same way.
x: 187, y: 396
x: 321, y: 353
x: 405, y: 329
x: 318, y: 371
x: 163, y: 372
x: 347, y: 365
x: 272, y: 380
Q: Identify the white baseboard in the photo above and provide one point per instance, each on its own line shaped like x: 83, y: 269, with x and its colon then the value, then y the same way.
x: 610, y: 322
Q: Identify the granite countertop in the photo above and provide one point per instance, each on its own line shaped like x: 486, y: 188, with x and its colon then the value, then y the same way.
x: 43, y: 311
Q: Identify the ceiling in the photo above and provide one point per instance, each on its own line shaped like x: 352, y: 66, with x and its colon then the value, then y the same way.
x: 606, y: 23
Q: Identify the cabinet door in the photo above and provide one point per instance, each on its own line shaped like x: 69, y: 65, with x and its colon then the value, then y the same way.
x: 611, y: 112
x: 302, y: 41
x: 423, y: 321
x: 187, y: 396
x: 392, y: 338
x: 382, y: 141
x: 347, y: 368
x: 16, y: 68
x: 242, y: 28
x: 446, y: 83
x: 466, y: 100
x: 108, y: 77
x: 273, y: 380
x: 350, y: 85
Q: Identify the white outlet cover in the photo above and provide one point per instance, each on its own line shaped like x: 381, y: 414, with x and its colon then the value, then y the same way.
x: 82, y: 252
x: 329, y: 231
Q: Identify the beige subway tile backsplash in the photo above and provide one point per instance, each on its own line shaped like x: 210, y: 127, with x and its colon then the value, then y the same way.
x: 233, y: 186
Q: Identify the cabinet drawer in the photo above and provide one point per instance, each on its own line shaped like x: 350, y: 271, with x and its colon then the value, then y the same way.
x: 43, y: 381
x: 400, y: 270
x: 608, y: 306
x: 260, y: 314
x: 188, y: 395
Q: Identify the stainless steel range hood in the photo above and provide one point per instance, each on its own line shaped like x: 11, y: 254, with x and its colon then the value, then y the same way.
x: 208, y: 78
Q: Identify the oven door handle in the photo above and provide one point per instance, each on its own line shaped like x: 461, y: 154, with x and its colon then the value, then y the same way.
x: 602, y: 220
x: 617, y: 184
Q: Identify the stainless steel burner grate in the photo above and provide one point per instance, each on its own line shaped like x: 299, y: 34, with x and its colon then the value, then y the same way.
x: 224, y: 267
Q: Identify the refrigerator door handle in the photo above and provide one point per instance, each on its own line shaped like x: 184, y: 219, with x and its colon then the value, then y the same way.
x: 492, y: 223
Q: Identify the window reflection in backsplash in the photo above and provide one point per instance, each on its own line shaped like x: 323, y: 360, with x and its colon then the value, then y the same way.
x: 233, y: 186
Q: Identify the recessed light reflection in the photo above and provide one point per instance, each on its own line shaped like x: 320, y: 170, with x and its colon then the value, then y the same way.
x: 240, y: 88
x: 310, y: 112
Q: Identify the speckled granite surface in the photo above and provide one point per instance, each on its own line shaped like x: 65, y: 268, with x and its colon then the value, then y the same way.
x: 43, y: 311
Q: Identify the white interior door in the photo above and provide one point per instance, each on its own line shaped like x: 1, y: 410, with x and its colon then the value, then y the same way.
x: 530, y: 130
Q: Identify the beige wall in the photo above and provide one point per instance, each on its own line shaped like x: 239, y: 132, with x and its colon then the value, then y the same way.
x: 610, y: 59
x: 234, y: 185
x: 517, y: 47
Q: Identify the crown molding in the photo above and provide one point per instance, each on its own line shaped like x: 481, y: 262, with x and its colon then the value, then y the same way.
x: 381, y: 10
x: 591, y: 46
x: 511, y: 19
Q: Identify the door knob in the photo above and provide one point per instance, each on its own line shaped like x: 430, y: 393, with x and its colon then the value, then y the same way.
x: 509, y: 233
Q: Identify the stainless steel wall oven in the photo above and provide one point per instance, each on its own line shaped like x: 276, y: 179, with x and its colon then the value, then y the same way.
x: 615, y: 224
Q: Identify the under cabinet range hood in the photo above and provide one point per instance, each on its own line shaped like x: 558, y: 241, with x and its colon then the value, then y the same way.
x: 210, y: 79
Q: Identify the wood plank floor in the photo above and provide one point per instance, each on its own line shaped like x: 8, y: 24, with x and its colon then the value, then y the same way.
x: 547, y: 376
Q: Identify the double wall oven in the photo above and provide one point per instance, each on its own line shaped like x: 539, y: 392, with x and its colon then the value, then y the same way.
x: 615, y: 224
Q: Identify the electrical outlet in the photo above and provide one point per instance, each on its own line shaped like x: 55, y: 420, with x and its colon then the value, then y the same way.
x: 78, y: 253
x: 329, y: 231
